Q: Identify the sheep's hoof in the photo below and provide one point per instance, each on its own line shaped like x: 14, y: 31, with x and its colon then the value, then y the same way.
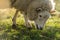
x: 14, y: 26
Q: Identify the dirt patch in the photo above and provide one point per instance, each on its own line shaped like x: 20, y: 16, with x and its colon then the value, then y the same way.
x: 4, y: 4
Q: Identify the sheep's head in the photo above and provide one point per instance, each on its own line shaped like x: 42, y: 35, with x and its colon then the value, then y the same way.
x: 39, y: 11
x: 41, y: 18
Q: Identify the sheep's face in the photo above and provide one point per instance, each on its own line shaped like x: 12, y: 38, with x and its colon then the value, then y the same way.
x: 42, y: 18
x: 39, y: 11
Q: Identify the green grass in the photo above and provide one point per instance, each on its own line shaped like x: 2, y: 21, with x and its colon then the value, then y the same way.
x: 51, y: 30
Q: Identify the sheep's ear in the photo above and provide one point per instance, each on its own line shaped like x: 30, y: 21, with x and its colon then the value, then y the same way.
x: 52, y: 11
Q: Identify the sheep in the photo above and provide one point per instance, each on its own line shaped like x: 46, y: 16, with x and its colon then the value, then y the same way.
x: 33, y: 10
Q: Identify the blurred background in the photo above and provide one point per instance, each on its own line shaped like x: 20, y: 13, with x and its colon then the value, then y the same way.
x: 51, y: 30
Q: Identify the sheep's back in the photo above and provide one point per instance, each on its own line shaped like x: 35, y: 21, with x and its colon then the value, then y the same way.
x: 21, y: 4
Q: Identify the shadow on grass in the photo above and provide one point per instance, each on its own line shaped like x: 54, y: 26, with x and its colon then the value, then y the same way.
x: 22, y: 33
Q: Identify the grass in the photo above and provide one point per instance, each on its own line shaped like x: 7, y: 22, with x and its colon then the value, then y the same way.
x: 51, y: 30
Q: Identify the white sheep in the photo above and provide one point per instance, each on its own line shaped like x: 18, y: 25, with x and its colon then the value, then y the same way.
x: 33, y: 10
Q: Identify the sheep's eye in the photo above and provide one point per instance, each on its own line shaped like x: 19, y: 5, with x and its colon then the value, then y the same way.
x: 38, y: 10
x: 40, y: 15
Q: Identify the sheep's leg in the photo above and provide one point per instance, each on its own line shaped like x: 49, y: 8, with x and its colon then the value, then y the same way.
x: 14, y: 19
x: 27, y: 22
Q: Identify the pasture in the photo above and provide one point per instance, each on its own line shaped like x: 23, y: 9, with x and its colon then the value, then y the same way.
x: 51, y: 31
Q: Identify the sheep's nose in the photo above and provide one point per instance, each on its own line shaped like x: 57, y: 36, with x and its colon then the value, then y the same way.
x: 39, y: 27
